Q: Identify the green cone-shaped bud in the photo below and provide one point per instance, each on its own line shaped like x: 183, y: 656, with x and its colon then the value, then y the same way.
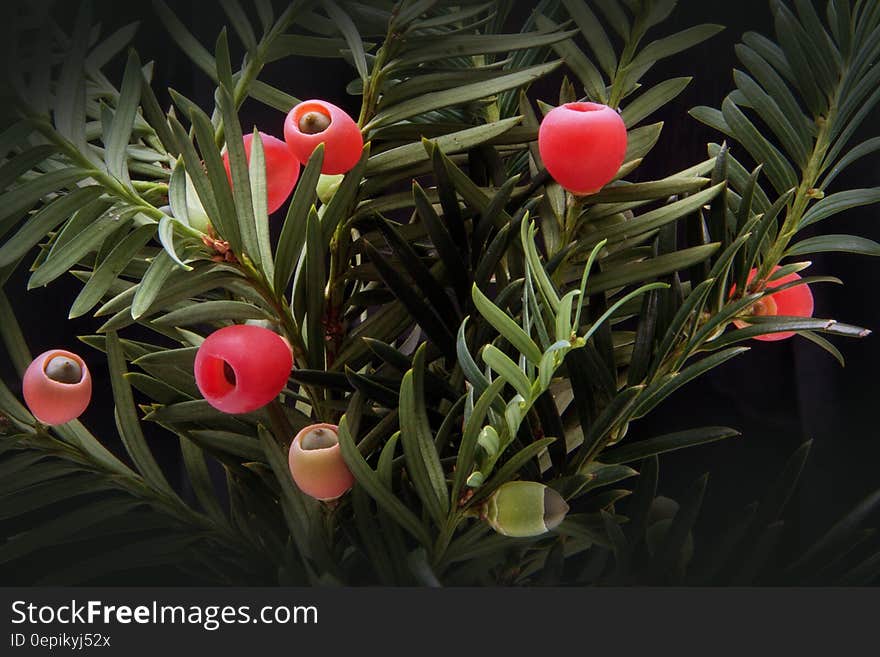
x: 195, y: 211
x: 327, y: 186
x: 524, y: 508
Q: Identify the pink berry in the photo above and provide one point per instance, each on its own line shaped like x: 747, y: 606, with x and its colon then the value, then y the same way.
x: 241, y: 368
x: 316, y: 463
x: 282, y: 169
x: 313, y: 122
x: 582, y: 145
x: 57, y: 387
x: 794, y: 301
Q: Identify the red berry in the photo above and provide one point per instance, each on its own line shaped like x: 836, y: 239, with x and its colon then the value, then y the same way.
x: 316, y: 463
x: 794, y: 301
x: 241, y: 368
x: 282, y: 169
x: 272, y: 326
x: 582, y: 145
x: 313, y: 122
x: 57, y: 387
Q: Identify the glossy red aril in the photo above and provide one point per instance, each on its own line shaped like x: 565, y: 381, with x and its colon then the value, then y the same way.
x: 241, y: 368
x: 316, y: 463
x: 796, y: 301
x: 282, y: 169
x: 582, y: 145
x: 275, y: 328
x: 57, y: 387
x: 314, y: 122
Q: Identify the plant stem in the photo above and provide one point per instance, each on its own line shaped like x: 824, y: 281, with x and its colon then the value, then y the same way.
x: 132, y: 483
x: 340, y: 242
x: 629, y: 49
x: 803, y: 196
x: 290, y: 327
x: 445, y: 536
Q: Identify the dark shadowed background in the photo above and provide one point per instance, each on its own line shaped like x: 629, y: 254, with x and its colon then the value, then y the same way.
x: 779, y: 394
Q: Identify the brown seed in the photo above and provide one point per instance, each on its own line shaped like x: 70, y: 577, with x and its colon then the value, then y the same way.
x: 555, y: 508
x: 64, y: 370
x: 311, y: 123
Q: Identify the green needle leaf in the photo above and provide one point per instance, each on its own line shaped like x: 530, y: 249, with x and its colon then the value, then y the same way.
x: 666, y: 443
x: 422, y: 459
x: 371, y: 482
x: 459, y: 95
x: 123, y: 120
x: 507, y: 327
x: 293, y: 232
x: 508, y: 370
x: 350, y: 32
x: 128, y: 424
x: 259, y: 196
x: 104, y: 276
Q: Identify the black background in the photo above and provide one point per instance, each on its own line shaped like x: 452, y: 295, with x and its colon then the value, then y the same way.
x: 779, y: 394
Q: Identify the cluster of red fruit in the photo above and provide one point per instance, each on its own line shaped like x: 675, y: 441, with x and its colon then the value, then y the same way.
x: 307, y: 125
x: 241, y: 368
x: 584, y: 144
x: 238, y: 369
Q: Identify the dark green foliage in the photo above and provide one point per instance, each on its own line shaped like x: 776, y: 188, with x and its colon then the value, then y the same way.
x: 464, y: 320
